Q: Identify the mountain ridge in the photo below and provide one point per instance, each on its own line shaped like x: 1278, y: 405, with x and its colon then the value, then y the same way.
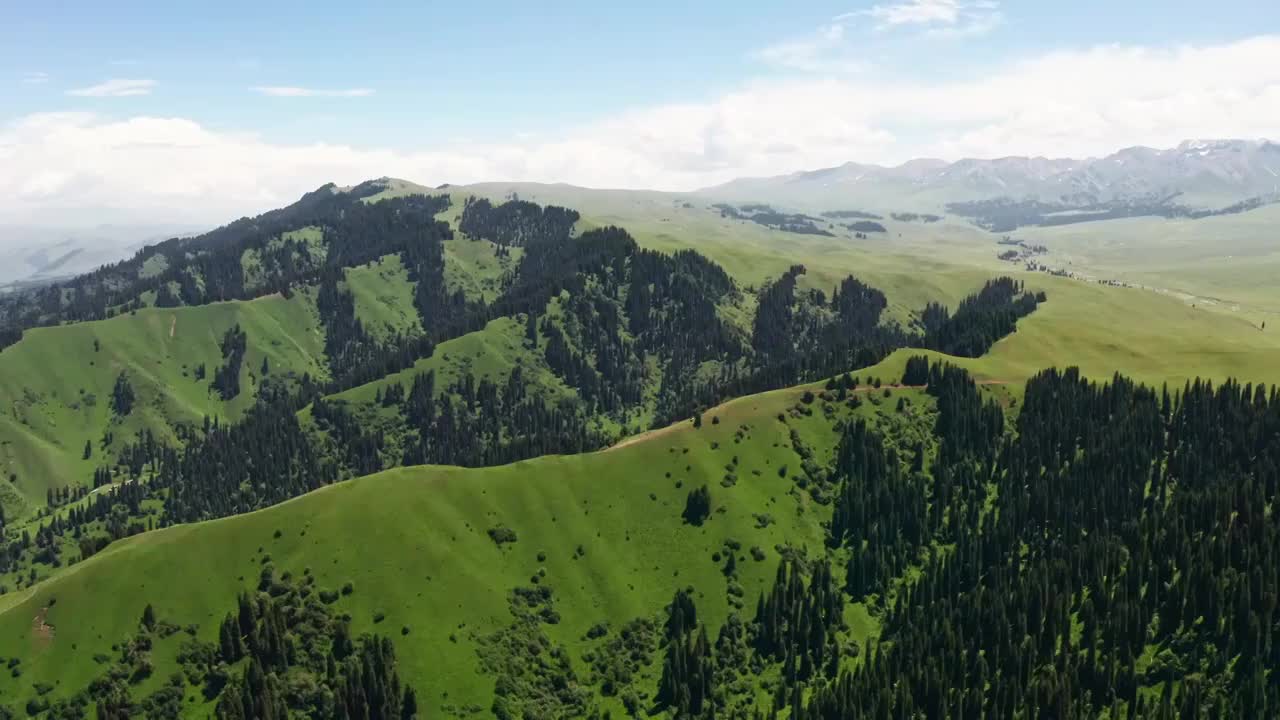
x: 1204, y: 172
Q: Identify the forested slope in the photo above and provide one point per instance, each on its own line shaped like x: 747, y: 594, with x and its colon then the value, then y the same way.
x: 748, y: 569
x: 1091, y: 550
x: 616, y: 339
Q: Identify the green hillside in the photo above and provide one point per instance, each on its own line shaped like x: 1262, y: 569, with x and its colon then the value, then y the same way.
x: 540, y: 331
x: 414, y: 544
x: 1153, y: 336
x: 384, y: 297
x: 491, y: 353
x: 1226, y: 261
x: 58, y: 382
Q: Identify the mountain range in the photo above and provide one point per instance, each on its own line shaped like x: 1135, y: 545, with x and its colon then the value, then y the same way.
x: 40, y: 253
x: 1198, y: 173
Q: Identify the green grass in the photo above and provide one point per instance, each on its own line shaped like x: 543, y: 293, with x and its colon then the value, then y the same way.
x: 153, y: 266
x: 60, y: 388
x: 384, y: 297
x: 1228, y: 260
x: 1103, y: 330
x: 1150, y: 337
x: 395, y: 188
x: 413, y: 541
x: 492, y: 352
x: 474, y: 267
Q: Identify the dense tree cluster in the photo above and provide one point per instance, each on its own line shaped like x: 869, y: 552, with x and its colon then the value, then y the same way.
x: 346, y: 343
x: 796, y: 622
x: 226, y: 379
x: 688, y: 677
x: 796, y: 336
x: 980, y: 320
x: 9, y: 336
x: 880, y: 510
x: 916, y: 372
x: 262, y: 460
x: 515, y: 222
x: 768, y: 217
x: 1005, y: 214
x: 851, y: 215
x: 866, y: 226
x: 206, y: 268
x: 210, y: 267
x: 282, y: 653
x: 1112, y: 557
x: 482, y: 423
x: 1126, y: 566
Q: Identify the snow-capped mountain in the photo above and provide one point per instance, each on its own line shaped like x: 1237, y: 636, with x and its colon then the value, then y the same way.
x: 1202, y: 173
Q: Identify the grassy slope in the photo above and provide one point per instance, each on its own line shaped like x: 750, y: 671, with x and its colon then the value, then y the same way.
x: 384, y: 297
x: 57, y: 390
x: 492, y: 352
x: 430, y: 522
x: 413, y: 542
x: 1148, y: 336
x: 473, y: 267
x: 1155, y: 337
x: 1230, y: 259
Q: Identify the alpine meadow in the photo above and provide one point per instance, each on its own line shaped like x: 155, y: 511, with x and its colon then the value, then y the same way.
x: 801, y: 435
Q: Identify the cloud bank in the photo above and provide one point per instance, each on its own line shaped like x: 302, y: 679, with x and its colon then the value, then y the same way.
x: 1071, y: 103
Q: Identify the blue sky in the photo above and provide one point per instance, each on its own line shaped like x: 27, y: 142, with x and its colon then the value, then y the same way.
x: 671, y: 94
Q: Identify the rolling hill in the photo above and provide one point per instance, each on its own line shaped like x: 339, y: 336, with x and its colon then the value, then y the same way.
x: 607, y: 525
x: 425, y: 382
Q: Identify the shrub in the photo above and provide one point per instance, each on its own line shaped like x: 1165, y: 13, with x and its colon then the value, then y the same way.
x: 502, y: 535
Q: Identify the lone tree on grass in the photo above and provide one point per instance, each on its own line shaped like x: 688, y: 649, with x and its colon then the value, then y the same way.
x: 697, y: 507
x: 122, y: 396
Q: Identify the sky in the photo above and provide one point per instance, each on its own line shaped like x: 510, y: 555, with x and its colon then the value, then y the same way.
x: 135, y: 112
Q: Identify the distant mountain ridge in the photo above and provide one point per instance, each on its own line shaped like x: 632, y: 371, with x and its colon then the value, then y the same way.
x: 40, y: 254
x: 1201, y: 173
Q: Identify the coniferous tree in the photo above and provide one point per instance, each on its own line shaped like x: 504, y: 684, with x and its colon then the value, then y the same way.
x: 697, y: 506
x: 122, y: 397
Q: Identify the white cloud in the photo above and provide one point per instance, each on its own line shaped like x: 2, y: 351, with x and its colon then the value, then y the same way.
x: 286, y: 91
x: 116, y: 87
x: 917, y: 12
x: 942, y: 17
x: 822, y: 51
x: 1076, y: 103
x: 836, y: 47
x: 34, y: 78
